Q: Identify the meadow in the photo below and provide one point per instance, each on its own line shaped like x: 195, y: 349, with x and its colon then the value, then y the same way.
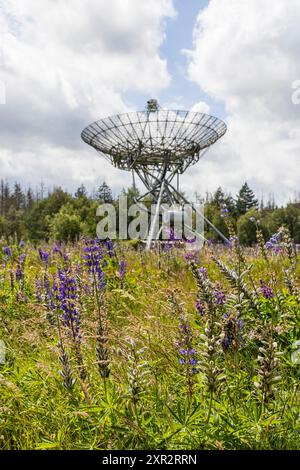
x: 108, y: 346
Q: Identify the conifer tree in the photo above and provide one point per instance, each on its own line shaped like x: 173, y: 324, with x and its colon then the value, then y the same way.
x: 104, y: 193
x: 246, y: 200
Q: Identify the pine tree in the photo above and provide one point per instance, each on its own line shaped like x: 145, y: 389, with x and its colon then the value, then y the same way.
x: 18, y: 197
x: 104, y: 193
x: 29, y: 198
x: 81, y: 192
x: 219, y: 198
x: 6, y: 198
x: 245, y: 200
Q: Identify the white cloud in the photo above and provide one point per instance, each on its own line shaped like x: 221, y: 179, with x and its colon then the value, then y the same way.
x: 65, y: 64
x: 246, y: 54
x: 200, y: 107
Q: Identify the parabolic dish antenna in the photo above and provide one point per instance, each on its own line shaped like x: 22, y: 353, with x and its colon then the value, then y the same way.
x: 157, y: 145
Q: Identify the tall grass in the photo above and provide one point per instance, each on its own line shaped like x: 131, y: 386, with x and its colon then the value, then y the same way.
x: 170, y: 351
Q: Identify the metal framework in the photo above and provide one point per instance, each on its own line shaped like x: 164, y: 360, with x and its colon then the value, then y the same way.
x: 157, y: 145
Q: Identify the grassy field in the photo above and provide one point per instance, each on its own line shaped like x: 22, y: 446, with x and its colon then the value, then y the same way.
x: 110, y: 347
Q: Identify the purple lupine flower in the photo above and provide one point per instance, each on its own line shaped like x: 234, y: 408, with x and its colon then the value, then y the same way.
x: 122, y: 268
x: 93, y: 258
x: 186, y: 350
x: 68, y: 301
x: 266, y: 290
x: 190, y: 256
x: 226, y: 342
x: 273, y: 243
x: 172, y: 240
x: 47, y: 287
x: 56, y: 248
x: 219, y: 295
x: 51, y: 297
x: 19, y: 273
x: 38, y: 290
x: 224, y: 210
x: 44, y: 256
x: 232, y: 331
x: 7, y: 251
x: 171, y: 234
x: 20, y: 267
x: 233, y: 240
x: 22, y: 258
x: 277, y: 249
x: 21, y: 244
x: 110, y: 248
x: 200, y: 307
x: 203, y: 271
x: 191, y: 241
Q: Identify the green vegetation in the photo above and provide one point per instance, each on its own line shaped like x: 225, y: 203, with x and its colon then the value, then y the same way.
x: 61, y: 216
x: 110, y: 347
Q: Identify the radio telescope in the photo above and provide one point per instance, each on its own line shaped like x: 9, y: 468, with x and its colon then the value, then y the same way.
x: 157, y: 145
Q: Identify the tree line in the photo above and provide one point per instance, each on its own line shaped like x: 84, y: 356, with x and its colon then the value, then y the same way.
x: 59, y: 215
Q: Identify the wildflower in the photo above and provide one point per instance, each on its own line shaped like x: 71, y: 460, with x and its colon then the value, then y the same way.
x: 93, y: 258
x: 122, y: 268
x: 224, y: 210
x: 200, y: 307
x: 233, y: 240
x: 110, y: 248
x: 12, y: 281
x: 273, y: 243
x: 66, y: 372
x: 19, y: 273
x: 50, y: 293
x: 122, y: 272
x: 44, y: 256
x: 268, y: 367
x: 190, y: 256
x: 203, y: 272
x: 67, y: 296
x: 238, y: 283
x: 22, y: 244
x: 266, y: 290
x: 56, y: 248
x: 210, y: 343
x: 137, y: 372
x: 186, y: 351
x: 190, y: 240
x: 38, y: 290
x: 68, y: 302
x: 232, y: 332
x: 102, y: 351
x: 22, y: 258
x: 7, y: 251
x: 20, y: 269
x: 219, y: 296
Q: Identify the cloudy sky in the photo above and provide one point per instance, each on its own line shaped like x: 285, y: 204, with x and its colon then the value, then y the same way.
x: 66, y: 63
